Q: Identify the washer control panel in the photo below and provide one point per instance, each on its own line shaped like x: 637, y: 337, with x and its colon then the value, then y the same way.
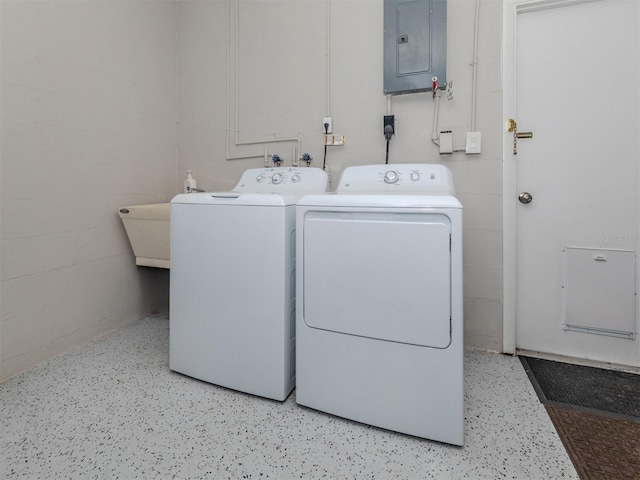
x: 283, y: 180
x: 401, y: 179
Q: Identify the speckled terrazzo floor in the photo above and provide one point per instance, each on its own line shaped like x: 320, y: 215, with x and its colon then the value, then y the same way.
x: 113, y: 409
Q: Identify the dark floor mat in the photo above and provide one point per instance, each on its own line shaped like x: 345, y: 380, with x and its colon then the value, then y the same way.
x: 600, y: 447
x: 592, y: 389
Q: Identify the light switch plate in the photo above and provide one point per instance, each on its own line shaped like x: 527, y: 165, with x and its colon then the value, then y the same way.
x: 474, y: 143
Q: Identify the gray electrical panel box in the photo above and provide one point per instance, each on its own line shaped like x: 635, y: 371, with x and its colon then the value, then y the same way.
x: 415, y: 45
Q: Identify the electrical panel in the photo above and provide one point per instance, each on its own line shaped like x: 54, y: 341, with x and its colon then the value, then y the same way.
x: 415, y: 45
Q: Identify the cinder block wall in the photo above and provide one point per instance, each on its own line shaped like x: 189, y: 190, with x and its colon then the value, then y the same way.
x: 88, y: 124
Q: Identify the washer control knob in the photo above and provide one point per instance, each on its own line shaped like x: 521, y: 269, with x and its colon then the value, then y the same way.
x: 391, y: 177
x: 415, y: 176
x: 260, y: 178
x: 277, y: 178
x: 295, y: 178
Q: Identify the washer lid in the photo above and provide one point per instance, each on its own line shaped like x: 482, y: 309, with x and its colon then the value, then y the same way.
x: 236, y: 199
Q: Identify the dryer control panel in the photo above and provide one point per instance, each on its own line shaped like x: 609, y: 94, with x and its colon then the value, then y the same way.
x: 398, y: 179
x: 283, y: 180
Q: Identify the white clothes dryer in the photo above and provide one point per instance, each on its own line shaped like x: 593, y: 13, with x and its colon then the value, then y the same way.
x: 232, y: 286
x: 379, y: 305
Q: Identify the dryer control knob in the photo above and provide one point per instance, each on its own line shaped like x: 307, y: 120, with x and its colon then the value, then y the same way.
x: 260, y: 178
x: 415, y: 176
x: 277, y: 178
x: 391, y: 177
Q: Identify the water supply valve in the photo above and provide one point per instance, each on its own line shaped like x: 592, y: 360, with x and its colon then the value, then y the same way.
x: 277, y: 161
x: 306, y: 158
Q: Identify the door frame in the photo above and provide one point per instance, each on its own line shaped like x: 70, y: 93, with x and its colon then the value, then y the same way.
x: 510, y: 11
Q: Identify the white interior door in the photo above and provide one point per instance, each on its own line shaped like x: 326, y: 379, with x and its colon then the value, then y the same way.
x: 576, y: 89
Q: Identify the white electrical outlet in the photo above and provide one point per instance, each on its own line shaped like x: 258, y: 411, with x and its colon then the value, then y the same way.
x: 327, y: 121
x: 474, y: 143
x: 333, y: 140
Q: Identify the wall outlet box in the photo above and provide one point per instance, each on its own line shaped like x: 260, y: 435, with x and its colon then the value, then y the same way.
x: 389, y: 121
x: 327, y: 121
x: 446, y: 142
x: 474, y: 143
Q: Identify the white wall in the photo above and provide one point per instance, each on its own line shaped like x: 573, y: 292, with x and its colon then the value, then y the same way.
x: 88, y: 125
x: 282, y: 93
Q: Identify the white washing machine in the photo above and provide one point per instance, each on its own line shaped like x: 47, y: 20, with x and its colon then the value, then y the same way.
x: 232, y: 286
x: 379, y: 305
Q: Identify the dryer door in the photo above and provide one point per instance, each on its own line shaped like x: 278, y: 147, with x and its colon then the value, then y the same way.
x: 379, y: 275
